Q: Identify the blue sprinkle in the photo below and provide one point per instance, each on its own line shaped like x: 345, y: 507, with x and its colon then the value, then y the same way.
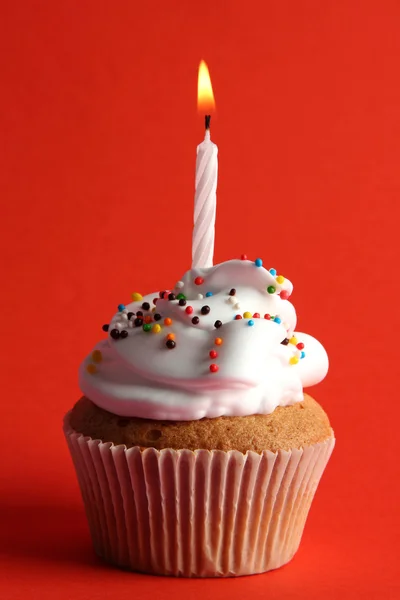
x: 278, y: 320
x: 251, y: 322
x: 121, y: 307
x: 302, y: 355
x: 258, y: 262
x: 273, y: 272
x: 208, y: 294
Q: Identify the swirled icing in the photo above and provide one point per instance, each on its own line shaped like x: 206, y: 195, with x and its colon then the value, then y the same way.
x: 138, y: 375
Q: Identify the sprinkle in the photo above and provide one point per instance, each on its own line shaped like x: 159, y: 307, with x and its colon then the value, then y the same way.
x: 273, y: 272
x: 205, y: 309
x: 284, y: 294
x: 155, y: 300
x: 208, y: 294
x: 170, y: 336
x: 105, y: 327
x: 218, y: 341
x: 124, y: 334
x: 147, y: 327
x: 300, y: 346
x: 285, y: 342
x: 167, y: 321
x: 195, y: 320
x: 139, y: 313
x: 302, y: 355
x: 271, y: 289
x: 130, y: 324
x: 179, y: 285
x: 214, y: 368
x: 170, y: 344
x: 148, y: 319
x: 92, y: 369
x: 181, y: 297
x: 280, y: 279
x: 123, y: 316
x: 138, y: 322
x: 97, y: 356
x: 182, y: 302
x: 165, y: 295
x: 121, y: 307
x: 153, y: 310
x: 278, y: 320
x: 256, y: 315
x: 157, y: 317
x: 171, y: 296
x: 200, y: 296
x: 267, y: 316
x: 237, y: 305
x: 189, y: 310
x: 258, y: 262
x: 232, y: 299
x: 199, y: 280
x: 161, y: 294
x: 118, y: 325
x: 247, y: 315
x: 213, y: 354
x: 237, y: 317
x: 243, y: 257
x: 250, y: 323
x: 115, y: 334
x: 146, y: 306
x: 294, y: 360
x: 136, y: 296
x: 130, y: 315
x: 232, y: 292
x: 293, y: 340
x: 218, y: 324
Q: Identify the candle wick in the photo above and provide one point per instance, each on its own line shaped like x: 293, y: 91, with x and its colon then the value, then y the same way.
x: 207, y: 120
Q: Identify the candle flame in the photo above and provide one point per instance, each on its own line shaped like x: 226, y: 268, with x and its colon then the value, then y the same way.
x: 205, y: 96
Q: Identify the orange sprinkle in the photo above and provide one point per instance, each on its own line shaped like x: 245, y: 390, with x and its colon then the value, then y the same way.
x: 218, y: 341
x: 148, y: 319
x: 167, y: 321
x: 171, y: 336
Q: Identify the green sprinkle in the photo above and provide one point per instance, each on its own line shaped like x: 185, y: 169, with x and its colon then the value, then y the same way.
x: 271, y: 289
x: 147, y: 327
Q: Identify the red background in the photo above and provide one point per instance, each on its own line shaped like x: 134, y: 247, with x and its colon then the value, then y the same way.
x: 99, y: 130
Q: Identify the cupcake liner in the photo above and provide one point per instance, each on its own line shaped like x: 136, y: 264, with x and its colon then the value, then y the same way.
x: 196, y: 514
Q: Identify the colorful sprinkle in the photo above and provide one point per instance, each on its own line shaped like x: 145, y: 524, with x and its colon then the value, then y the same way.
x: 280, y: 279
x: 284, y: 294
x: 189, y: 310
x: 123, y: 334
x: 213, y: 354
x: 170, y: 336
x: 273, y: 272
x: 200, y: 296
x: 293, y: 340
x: 271, y: 289
x: 218, y: 324
x: 139, y: 313
x: 92, y: 369
x: 250, y: 323
x: 243, y: 257
x: 294, y: 360
x: 199, y: 280
x: 161, y: 294
x: 278, y: 320
x: 182, y: 302
x: 232, y: 292
x: 138, y: 322
x: 208, y: 294
x: 157, y: 317
x: 156, y: 328
x: 195, y: 320
x: 214, y: 368
x: 171, y: 296
x: 148, y: 319
x: 256, y: 316
x: 205, y: 309
x: 300, y: 346
x: 97, y: 356
x: 115, y: 334
x: 302, y: 355
x: 247, y: 315
x: 155, y: 300
x: 146, y: 306
x: 267, y: 316
x: 136, y: 296
x: 232, y: 299
x: 218, y: 341
x: 237, y: 317
x: 167, y: 321
x: 258, y: 262
x: 170, y: 344
x: 285, y: 341
x: 105, y: 327
x: 121, y: 307
x: 147, y: 327
x: 181, y: 297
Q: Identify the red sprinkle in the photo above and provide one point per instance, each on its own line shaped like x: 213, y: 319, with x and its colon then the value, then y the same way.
x: 199, y: 280
x: 256, y: 315
x: 267, y: 317
x: 213, y: 354
x: 300, y: 346
x: 214, y: 368
x: 155, y: 300
x: 238, y: 317
x: 284, y: 295
x: 165, y: 295
x: 189, y: 310
x: 243, y: 257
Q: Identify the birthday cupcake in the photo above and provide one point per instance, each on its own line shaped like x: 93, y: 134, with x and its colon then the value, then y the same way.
x: 196, y: 449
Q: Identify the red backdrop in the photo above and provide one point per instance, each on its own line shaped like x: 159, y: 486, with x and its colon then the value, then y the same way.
x: 99, y: 130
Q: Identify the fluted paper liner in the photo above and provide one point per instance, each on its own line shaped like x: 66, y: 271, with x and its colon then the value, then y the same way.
x: 196, y: 514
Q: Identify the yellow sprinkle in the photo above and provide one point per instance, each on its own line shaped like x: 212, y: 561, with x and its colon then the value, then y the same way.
x: 280, y: 279
x: 156, y: 328
x: 247, y: 315
x: 294, y: 360
x: 97, y: 356
x: 153, y: 309
x: 293, y: 340
x: 136, y: 296
x: 91, y: 369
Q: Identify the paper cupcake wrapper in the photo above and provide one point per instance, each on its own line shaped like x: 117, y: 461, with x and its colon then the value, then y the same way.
x: 196, y: 514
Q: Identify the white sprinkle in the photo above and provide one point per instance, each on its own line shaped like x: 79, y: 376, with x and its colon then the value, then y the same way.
x: 130, y: 323
x: 124, y: 317
x: 200, y: 296
x: 237, y: 306
x: 179, y: 284
x: 118, y: 325
x: 232, y: 299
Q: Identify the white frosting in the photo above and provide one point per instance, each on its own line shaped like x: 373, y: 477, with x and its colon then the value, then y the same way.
x: 139, y: 376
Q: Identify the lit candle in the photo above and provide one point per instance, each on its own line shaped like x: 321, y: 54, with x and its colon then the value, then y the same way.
x: 205, y: 200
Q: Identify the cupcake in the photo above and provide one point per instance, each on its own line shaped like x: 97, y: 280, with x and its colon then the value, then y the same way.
x: 196, y: 450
